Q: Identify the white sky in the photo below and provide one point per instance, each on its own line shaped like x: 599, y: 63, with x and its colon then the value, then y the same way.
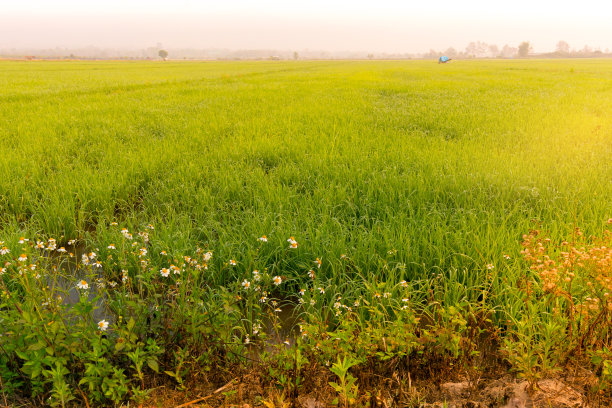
x: 357, y: 25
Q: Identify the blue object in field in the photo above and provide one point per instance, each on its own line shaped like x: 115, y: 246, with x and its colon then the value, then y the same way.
x: 443, y: 58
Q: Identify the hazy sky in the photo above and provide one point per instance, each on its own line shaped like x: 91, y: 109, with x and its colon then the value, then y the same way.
x: 356, y: 25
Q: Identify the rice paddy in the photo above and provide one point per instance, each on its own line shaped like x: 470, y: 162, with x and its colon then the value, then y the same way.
x: 371, y: 181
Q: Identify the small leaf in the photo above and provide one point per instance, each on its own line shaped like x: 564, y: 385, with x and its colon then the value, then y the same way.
x: 37, y: 346
x: 153, y: 365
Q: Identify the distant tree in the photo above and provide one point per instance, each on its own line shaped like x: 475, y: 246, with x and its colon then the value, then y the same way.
x: 563, y: 47
x: 477, y: 49
x: 508, y: 51
x: 524, y: 48
x: 163, y: 54
x: 370, y: 56
x: 295, y: 55
x: 451, y: 52
x: 493, y: 50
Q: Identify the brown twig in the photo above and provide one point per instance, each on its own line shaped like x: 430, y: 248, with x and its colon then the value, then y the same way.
x: 84, y: 397
x: 226, y: 386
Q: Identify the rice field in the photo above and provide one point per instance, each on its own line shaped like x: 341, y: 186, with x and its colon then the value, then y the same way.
x: 389, y: 180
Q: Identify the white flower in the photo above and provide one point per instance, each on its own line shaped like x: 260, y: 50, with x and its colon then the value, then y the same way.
x: 404, y: 300
x: 52, y: 244
x: 112, y: 284
x: 490, y: 266
x: 277, y: 280
x: 83, y: 285
x: 312, y: 302
x: 102, y: 325
x: 23, y: 240
x: 142, y: 252
x: 263, y: 238
x: 246, y: 284
x: 61, y: 249
x: 40, y: 245
x: 85, y: 259
x: 111, y: 246
x: 246, y: 339
x: 318, y: 263
x: 164, y: 272
x: 302, y: 291
x: 2, y: 270
x: 4, y: 250
x: 506, y: 256
x: 71, y: 242
x: 207, y: 256
x: 321, y: 290
x: 175, y: 269
x: 92, y: 255
x: 164, y: 253
x: 256, y: 275
x: 232, y: 262
x: 404, y: 284
x: 292, y: 243
x: 256, y: 328
x: 311, y: 274
x: 22, y: 258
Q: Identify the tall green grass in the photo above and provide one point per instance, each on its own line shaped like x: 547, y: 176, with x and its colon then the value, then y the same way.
x: 446, y: 164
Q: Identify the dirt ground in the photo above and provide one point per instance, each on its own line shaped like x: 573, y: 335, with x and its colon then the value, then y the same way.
x: 505, y: 392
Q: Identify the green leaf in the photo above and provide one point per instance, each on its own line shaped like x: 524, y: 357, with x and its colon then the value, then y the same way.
x: 131, y: 323
x: 37, y: 346
x: 153, y: 365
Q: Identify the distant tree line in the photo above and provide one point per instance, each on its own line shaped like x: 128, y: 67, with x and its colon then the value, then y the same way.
x: 479, y: 49
x: 475, y: 49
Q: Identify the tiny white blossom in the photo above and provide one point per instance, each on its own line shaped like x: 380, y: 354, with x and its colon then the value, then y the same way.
x: 292, y: 243
x: 102, y: 325
x: 83, y: 285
